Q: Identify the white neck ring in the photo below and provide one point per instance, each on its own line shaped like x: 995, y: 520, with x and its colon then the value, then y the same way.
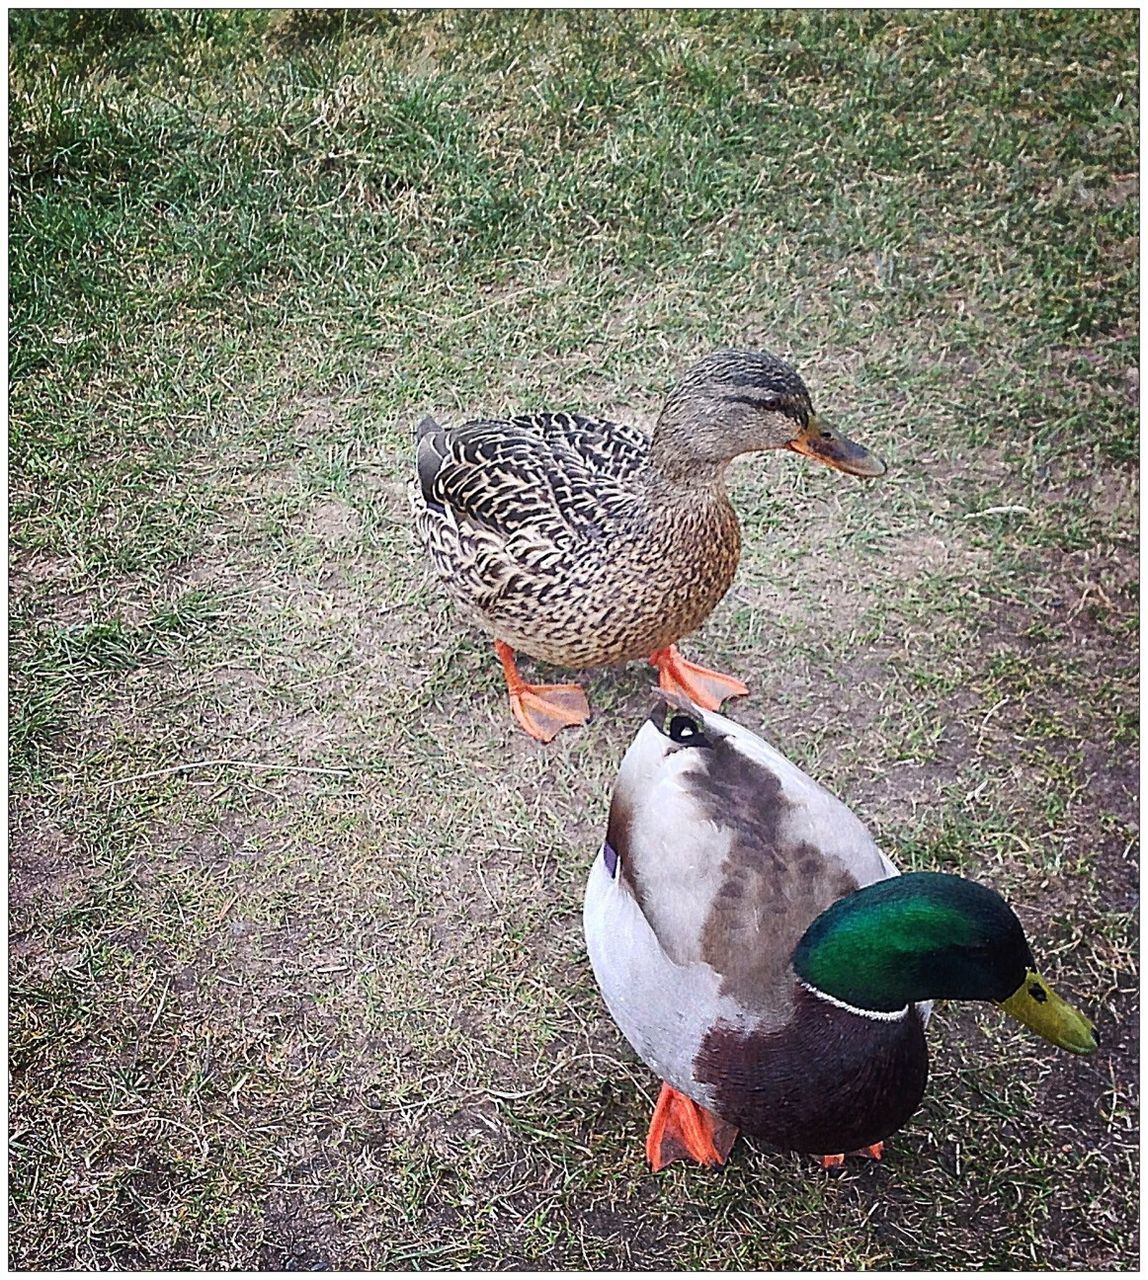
x: 877, y: 1015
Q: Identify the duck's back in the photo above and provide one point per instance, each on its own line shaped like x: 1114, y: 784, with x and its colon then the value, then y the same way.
x: 557, y: 471
x: 730, y: 852
x: 610, y: 450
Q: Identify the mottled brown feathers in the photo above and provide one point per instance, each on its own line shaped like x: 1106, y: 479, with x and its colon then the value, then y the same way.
x: 584, y: 542
x: 553, y: 533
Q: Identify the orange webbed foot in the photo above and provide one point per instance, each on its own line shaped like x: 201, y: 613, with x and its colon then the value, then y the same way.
x: 873, y: 1152
x: 704, y: 688
x: 541, y: 709
x: 545, y: 709
x: 683, y: 1130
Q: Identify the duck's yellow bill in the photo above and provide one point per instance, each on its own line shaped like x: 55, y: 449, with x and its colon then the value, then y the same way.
x: 1036, y: 1005
x: 815, y: 440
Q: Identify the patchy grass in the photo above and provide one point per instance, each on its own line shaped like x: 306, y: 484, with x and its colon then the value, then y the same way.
x: 297, y: 978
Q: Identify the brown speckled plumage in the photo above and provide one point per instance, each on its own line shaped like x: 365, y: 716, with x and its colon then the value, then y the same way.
x: 585, y: 542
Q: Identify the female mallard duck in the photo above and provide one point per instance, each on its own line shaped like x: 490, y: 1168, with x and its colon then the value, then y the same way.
x: 583, y: 542
x: 768, y: 962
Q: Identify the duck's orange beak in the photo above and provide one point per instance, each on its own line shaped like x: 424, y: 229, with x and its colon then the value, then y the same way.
x: 826, y: 445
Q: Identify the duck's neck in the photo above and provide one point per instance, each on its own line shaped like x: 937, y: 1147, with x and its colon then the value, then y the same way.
x: 910, y: 938
x: 669, y: 473
x: 690, y: 452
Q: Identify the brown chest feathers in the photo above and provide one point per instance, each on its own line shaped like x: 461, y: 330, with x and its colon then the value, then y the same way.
x: 581, y: 593
x: 830, y: 1080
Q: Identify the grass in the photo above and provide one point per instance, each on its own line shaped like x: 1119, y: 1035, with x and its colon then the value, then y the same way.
x: 322, y: 1000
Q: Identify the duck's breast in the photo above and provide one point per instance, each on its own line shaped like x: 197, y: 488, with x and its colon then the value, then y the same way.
x: 830, y: 1080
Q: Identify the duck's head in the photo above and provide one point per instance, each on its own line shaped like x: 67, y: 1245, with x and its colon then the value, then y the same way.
x: 928, y: 936
x: 735, y: 402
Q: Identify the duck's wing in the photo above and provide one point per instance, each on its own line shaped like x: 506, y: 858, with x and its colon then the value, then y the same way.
x: 609, y: 449
x: 554, y: 476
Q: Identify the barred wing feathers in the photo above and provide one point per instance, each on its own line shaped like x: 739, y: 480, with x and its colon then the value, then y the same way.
x: 514, y: 504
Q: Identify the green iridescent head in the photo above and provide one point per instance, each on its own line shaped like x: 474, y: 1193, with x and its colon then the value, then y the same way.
x: 929, y: 936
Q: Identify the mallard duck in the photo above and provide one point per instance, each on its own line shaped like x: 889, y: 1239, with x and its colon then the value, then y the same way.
x: 764, y: 957
x: 583, y: 542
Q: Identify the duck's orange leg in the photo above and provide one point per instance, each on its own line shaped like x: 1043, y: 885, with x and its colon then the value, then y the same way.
x: 682, y: 1130
x: 703, y: 687
x: 835, y: 1162
x: 541, y: 709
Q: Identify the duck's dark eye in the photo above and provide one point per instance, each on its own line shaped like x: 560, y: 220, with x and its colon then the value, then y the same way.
x: 686, y: 731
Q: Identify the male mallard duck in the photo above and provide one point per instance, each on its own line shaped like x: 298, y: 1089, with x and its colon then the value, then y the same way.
x: 766, y: 959
x: 583, y: 542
